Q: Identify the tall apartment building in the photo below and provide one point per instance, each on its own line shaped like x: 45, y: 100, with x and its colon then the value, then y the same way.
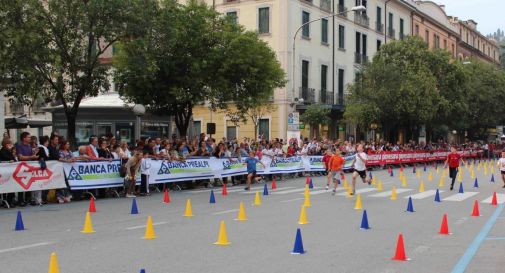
x: 475, y: 45
x: 329, y: 53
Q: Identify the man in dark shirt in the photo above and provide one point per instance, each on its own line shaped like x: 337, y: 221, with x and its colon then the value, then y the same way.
x: 54, y: 153
x: 25, y: 153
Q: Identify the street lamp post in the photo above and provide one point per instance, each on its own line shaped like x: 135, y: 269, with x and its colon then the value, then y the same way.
x: 139, y: 110
x: 356, y: 8
x: 373, y: 126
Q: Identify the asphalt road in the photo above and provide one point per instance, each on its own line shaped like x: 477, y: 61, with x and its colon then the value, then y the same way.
x: 333, y: 240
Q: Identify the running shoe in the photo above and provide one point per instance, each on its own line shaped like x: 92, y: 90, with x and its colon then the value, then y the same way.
x: 327, y: 187
x: 334, y: 192
x: 246, y: 188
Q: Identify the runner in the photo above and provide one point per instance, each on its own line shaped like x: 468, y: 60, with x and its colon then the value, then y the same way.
x: 359, y: 165
x: 453, y: 159
x: 335, y: 168
x: 326, y: 162
x: 251, y: 162
x: 501, y: 165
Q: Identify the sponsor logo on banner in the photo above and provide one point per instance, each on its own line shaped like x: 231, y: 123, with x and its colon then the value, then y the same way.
x: 184, y: 167
x: 94, y: 170
x: 25, y: 174
x: 286, y: 162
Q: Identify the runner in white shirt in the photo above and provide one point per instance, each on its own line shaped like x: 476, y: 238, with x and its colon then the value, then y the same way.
x: 501, y: 165
x: 359, y: 165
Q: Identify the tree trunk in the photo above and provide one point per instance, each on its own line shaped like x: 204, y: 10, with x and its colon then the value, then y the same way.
x: 182, y: 118
x: 71, y: 118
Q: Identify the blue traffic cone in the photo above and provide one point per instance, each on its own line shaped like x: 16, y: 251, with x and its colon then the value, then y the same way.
x: 338, y: 181
x: 492, y: 177
x: 142, y: 271
x: 476, y: 183
x: 212, y: 198
x: 265, y: 190
x: 134, y: 207
x: 410, y: 207
x: 298, y: 248
x: 424, y: 169
x: 437, y: 197
x: 371, y: 175
x: 364, y: 221
x: 311, y: 186
x: 19, y: 222
x: 391, y: 174
x: 460, y: 188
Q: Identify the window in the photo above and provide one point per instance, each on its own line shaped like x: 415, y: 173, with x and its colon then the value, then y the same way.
x: 231, y: 132
x: 341, y: 37
x: 364, y: 42
x: 324, y: 31
x: 232, y: 15
x: 435, y: 41
x: 305, y: 74
x: 401, y: 29
x: 379, y: 43
x: 467, y: 39
x: 390, y: 26
x: 264, y: 20
x: 306, y: 28
x: 417, y: 29
x: 358, y: 42
x: 264, y: 128
x: 445, y: 44
x: 324, y: 77
x: 379, y: 19
x: 427, y: 37
x: 452, y: 50
x: 341, y: 86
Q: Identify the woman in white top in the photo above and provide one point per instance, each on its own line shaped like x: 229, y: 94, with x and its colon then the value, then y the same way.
x: 501, y: 165
x: 359, y: 165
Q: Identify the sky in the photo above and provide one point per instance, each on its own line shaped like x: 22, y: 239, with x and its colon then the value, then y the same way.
x: 489, y: 14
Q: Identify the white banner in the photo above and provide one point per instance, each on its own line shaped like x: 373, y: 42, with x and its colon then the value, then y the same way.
x: 93, y: 174
x: 28, y: 176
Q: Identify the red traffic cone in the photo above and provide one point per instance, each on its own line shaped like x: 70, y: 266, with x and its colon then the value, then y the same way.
x: 342, y: 177
x: 494, y: 202
x: 274, y: 185
x: 224, y: 192
x: 444, y: 228
x: 475, y: 209
x: 389, y: 169
x: 166, y: 197
x: 92, y: 207
x: 400, y: 250
x: 307, y: 180
x: 401, y: 168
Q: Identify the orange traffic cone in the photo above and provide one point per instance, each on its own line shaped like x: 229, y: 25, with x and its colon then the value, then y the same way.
x: 475, y: 209
x: 494, y: 202
x: 444, y: 228
x: 274, y: 185
x: 400, y: 250
x: 307, y: 180
x: 166, y: 197
x: 224, y: 192
x: 92, y: 207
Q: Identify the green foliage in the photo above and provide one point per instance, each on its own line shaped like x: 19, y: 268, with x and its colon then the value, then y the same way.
x: 52, y: 49
x: 190, y: 55
x: 316, y: 115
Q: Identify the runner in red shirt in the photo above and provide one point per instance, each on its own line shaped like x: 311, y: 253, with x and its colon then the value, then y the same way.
x: 453, y: 159
x: 326, y: 163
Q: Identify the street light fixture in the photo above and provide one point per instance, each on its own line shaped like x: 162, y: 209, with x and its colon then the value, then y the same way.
x: 139, y: 110
x: 355, y: 9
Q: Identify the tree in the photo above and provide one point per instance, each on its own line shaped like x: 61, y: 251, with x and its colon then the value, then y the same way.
x: 54, y: 48
x: 316, y: 115
x: 189, y: 55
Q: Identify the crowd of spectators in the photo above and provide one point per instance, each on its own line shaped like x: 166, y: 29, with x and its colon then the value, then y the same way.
x: 55, y: 147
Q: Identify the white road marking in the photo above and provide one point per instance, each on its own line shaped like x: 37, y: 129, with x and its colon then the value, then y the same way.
x: 143, y: 226
x: 323, y: 191
x: 359, y: 191
x: 460, y: 196
x: 225, y: 211
x: 424, y: 194
x: 388, y: 193
x: 253, y: 191
x: 291, y: 200
x: 25, y: 247
x: 290, y: 191
x: 500, y: 198
x: 219, y: 189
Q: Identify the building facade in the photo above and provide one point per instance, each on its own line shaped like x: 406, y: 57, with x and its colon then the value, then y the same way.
x: 474, y: 45
x: 327, y: 55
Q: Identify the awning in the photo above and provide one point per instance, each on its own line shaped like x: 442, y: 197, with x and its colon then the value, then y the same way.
x: 21, y: 123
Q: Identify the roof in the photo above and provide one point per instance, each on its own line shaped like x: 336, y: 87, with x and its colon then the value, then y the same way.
x: 103, y: 100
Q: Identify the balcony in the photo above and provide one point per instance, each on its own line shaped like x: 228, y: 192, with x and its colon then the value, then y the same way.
x: 326, y: 97
x: 361, y: 19
x: 379, y: 27
x: 360, y: 58
x: 308, y: 95
x: 325, y: 5
x: 17, y: 108
x: 391, y: 33
x: 342, y: 11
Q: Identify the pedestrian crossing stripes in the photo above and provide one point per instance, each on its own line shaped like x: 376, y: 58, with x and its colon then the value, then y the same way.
x: 460, y: 196
x: 388, y: 193
x: 278, y: 190
x: 424, y: 194
x: 500, y: 197
x: 359, y: 191
x: 323, y: 191
x: 290, y: 191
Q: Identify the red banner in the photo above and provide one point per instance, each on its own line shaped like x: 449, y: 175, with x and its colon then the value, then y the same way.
x: 404, y: 157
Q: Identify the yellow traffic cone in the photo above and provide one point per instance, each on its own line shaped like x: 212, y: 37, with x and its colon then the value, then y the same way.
x: 485, y: 171
x: 404, y: 182
x: 241, y: 213
x: 358, y: 202
x: 53, y: 264
x: 374, y: 181
x: 306, y: 203
x: 438, y: 170
x: 189, y: 211
x: 418, y: 173
x: 430, y: 176
x: 307, y: 192
x: 349, y: 192
x: 257, y: 200
x: 345, y: 184
x: 302, y: 220
x: 149, y: 235
x: 88, y: 226
x: 222, y: 239
x: 441, y: 182
x: 393, y: 193
x: 379, y: 186
x: 460, y: 177
x: 421, y: 186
